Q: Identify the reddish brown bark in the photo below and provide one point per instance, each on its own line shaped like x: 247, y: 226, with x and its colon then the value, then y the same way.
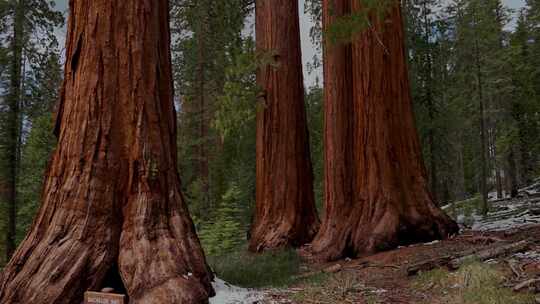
x: 377, y: 193
x: 111, y: 200
x: 285, y: 214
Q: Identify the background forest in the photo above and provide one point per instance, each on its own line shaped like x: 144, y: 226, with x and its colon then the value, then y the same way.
x: 475, y: 72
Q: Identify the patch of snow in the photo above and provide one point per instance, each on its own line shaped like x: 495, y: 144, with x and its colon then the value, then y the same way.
x: 461, y: 219
x: 532, y: 189
x: 491, y: 262
x: 529, y: 255
x: 514, y: 214
x: 455, y: 286
x: 507, y: 223
x: 493, y: 195
x: 432, y: 243
x: 380, y: 291
x: 230, y: 294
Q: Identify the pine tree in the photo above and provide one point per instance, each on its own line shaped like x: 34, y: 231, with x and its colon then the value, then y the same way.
x: 207, y: 43
x: 31, y: 25
x: 43, y: 86
x: 480, y: 43
x: 230, y: 96
x: 422, y: 46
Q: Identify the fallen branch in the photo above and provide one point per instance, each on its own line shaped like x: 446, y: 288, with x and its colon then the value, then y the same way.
x: 490, y: 253
x: 441, y: 261
x: 526, y: 284
x: 516, y: 269
x: 483, y: 239
x: 331, y: 269
x: 456, y: 260
x: 375, y: 265
x: 429, y: 265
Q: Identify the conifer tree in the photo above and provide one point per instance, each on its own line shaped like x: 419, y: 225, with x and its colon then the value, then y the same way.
x: 31, y: 24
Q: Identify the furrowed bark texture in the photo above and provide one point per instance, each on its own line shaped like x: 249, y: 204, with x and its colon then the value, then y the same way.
x: 285, y: 213
x: 111, y: 198
x: 376, y: 186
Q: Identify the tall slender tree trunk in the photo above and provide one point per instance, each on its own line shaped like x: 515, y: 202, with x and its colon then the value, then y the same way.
x: 389, y: 203
x: 496, y: 163
x: 203, y: 166
x: 460, y: 179
x: 430, y: 105
x: 483, y: 137
x: 285, y: 213
x: 512, y: 174
x: 111, y: 204
x: 13, y: 127
x: 526, y: 162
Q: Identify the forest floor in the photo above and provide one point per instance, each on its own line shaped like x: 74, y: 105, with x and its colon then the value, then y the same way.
x: 391, y: 277
x: 384, y: 277
x: 491, y: 269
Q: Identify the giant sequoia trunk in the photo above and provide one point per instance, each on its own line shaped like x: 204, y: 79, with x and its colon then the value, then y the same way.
x: 377, y: 193
x: 285, y: 213
x: 111, y: 204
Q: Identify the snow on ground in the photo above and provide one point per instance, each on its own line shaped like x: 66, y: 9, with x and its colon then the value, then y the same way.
x: 532, y: 189
x: 530, y: 256
x: 230, y: 294
x: 510, y: 214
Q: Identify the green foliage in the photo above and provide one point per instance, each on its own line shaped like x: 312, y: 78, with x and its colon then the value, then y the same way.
x: 315, y: 113
x: 270, y: 269
x: 39, y: 22
x: 214, y: 66
x: 225, y: 234
x: 450, y: 47
x: 236, y: 106
x: 30, y: 75
x: 460, y: 53
x: 36, y: 153
x: 345, y: 28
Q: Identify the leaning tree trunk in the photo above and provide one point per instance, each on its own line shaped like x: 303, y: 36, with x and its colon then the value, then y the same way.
x: 285, y: 213
x: 112, y: 205
x: 380, y: 199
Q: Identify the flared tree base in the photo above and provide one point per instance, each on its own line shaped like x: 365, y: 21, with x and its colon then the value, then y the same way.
x: 275, y: 235
x: 159, y: 268
x: 360, y: 236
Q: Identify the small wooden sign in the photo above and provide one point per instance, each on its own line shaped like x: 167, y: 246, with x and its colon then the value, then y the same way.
x: 91, y: 297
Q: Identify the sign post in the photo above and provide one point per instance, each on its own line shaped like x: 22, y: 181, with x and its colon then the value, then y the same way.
x: 91, y: 297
